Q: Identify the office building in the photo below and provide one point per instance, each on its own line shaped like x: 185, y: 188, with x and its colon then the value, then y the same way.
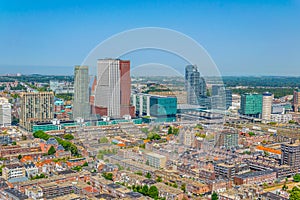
x: 290, y: 154
x: 251, y: 104
x: 296, y: 100
x: 36, y: 107
x: 195, y: 85
x: 141, y: 102
x: 154, y: 105
x: 81, y: 108
x: 163, y: 106
x: 5, y: 112
x: 156, y: 160
x: 227, y: 139
x: 221, y: 98
x: 282, y: 108
x: 113, y: 89
x: 267, y: 100
x: 228, y: 94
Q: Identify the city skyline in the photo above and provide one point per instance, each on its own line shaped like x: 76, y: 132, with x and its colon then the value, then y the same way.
x: 243, y: 38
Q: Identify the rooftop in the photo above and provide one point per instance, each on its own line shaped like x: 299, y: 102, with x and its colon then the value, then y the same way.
x: 16, y: 193
x: 254, y: 174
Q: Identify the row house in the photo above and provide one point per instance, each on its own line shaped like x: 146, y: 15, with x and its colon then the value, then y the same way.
x: 170, y: 193
x: 258, y: 177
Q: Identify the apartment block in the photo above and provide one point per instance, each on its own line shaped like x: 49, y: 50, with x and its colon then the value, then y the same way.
x: 13, y: 171
x: 156, y: 160
x: 290, y: 154
x: 36, y: 107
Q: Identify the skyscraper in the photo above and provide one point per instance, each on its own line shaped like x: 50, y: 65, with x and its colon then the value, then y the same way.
x: 228, y: 94
x: 5, y: 112
x: 267, y: 106
x: 195, y: 85
x: 218, y: 97
x: 221, y: 97
x: 113, y: 89
x: 36, y: 107
x: 296, y: 100
x: 251, y: 104
x: 81, y: 93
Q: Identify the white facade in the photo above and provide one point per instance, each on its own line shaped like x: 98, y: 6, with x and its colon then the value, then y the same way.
x: 142, y: 103
x: 13, y: 171
x: 81, y: 93
x: 107, y: 92
x: 267, y: 106
x: 5, y: 112
x: 156, y: 160
x: 281, y: 118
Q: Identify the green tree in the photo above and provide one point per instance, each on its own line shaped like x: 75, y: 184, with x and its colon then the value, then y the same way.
x: 183, y: 187
x: 175, y: 131
x: 153, y: 192
x: 19, y: 157
x: 139, y: 173
x: 198, y: 126
x: 214, y: 196
x: 148, y: 175
x: 68, y: 137
x: 145, y: 190
x: 77, y: 168
x: 41, y: 135
x: 14, y: 143
x: 85, y: 164
x: 103, y: 140
x: 1, y: 167
x: 51, y: 151
x: 296, y: 178
x: 153, y: 136
x: 170, y: 131
x: 251, y: 134
x: 108, y: 176
x: 158, y: 179
x: 284, y: 187
x: 295, y: 193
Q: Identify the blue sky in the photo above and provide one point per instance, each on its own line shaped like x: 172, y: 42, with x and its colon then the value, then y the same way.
x: 243, y: 37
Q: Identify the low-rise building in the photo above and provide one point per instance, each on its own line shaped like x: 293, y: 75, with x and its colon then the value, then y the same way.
x: 13, y: 194
x: 229, y: 170
x: 156, y: 160
x: 259, y: 177
x: 31, y: 170
x: 11, y: 171
x: 281, y: 118
x: 169, y: 193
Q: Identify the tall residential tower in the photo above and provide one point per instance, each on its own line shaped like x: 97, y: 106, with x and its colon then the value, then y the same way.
x: 36, y: 107
x: 5, y: 112
x: 81, y: 93
x: 296, y: 100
